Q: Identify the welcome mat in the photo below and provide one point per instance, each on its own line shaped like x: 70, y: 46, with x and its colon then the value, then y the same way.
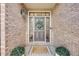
x: 39, y: 50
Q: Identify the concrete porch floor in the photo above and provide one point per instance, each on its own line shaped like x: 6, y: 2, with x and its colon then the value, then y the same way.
x: 39, y: 50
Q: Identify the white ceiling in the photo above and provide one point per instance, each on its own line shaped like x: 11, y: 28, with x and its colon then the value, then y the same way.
x: 39, y: 6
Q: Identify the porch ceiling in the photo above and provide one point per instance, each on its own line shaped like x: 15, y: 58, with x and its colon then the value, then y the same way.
x: 39, y: 6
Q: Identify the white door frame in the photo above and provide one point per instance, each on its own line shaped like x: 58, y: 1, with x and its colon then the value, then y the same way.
x: 38, y: 42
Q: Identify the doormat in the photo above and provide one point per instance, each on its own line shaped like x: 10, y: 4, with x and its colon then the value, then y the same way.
x: 39, y: 50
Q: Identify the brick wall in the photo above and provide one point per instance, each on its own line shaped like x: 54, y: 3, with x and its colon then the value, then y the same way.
x: 65, y: 22
x: 15, y: 27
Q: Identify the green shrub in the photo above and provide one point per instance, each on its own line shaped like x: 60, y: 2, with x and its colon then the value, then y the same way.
x: 18, y: 51
x: 62, y: 51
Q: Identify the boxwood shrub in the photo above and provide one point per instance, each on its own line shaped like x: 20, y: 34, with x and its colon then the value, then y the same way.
x: 18, y: 51
x: 62, y: 51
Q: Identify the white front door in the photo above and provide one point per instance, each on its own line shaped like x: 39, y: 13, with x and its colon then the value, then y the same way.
x: 39, y: 27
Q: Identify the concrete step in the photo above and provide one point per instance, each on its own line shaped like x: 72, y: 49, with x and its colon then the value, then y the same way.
x: 40, y: 50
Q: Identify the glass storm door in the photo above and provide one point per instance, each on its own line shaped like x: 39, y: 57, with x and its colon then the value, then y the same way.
x: 39, y: 27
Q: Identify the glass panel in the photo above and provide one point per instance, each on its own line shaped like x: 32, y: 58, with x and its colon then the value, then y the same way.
x: 38, y: 13
x: 31, y: 23
x: 39, y: 23
x: 43, y: 13
x: 47, y: 29
x: 30, y: 29
x: 39, y: 36
x: 47, y: 36
x: 31, y: 14
x: 47, y: 14
x: 35, y: 14
x: 47, y: 23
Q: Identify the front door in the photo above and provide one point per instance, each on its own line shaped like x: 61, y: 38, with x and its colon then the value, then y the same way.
x: 39, y: 27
